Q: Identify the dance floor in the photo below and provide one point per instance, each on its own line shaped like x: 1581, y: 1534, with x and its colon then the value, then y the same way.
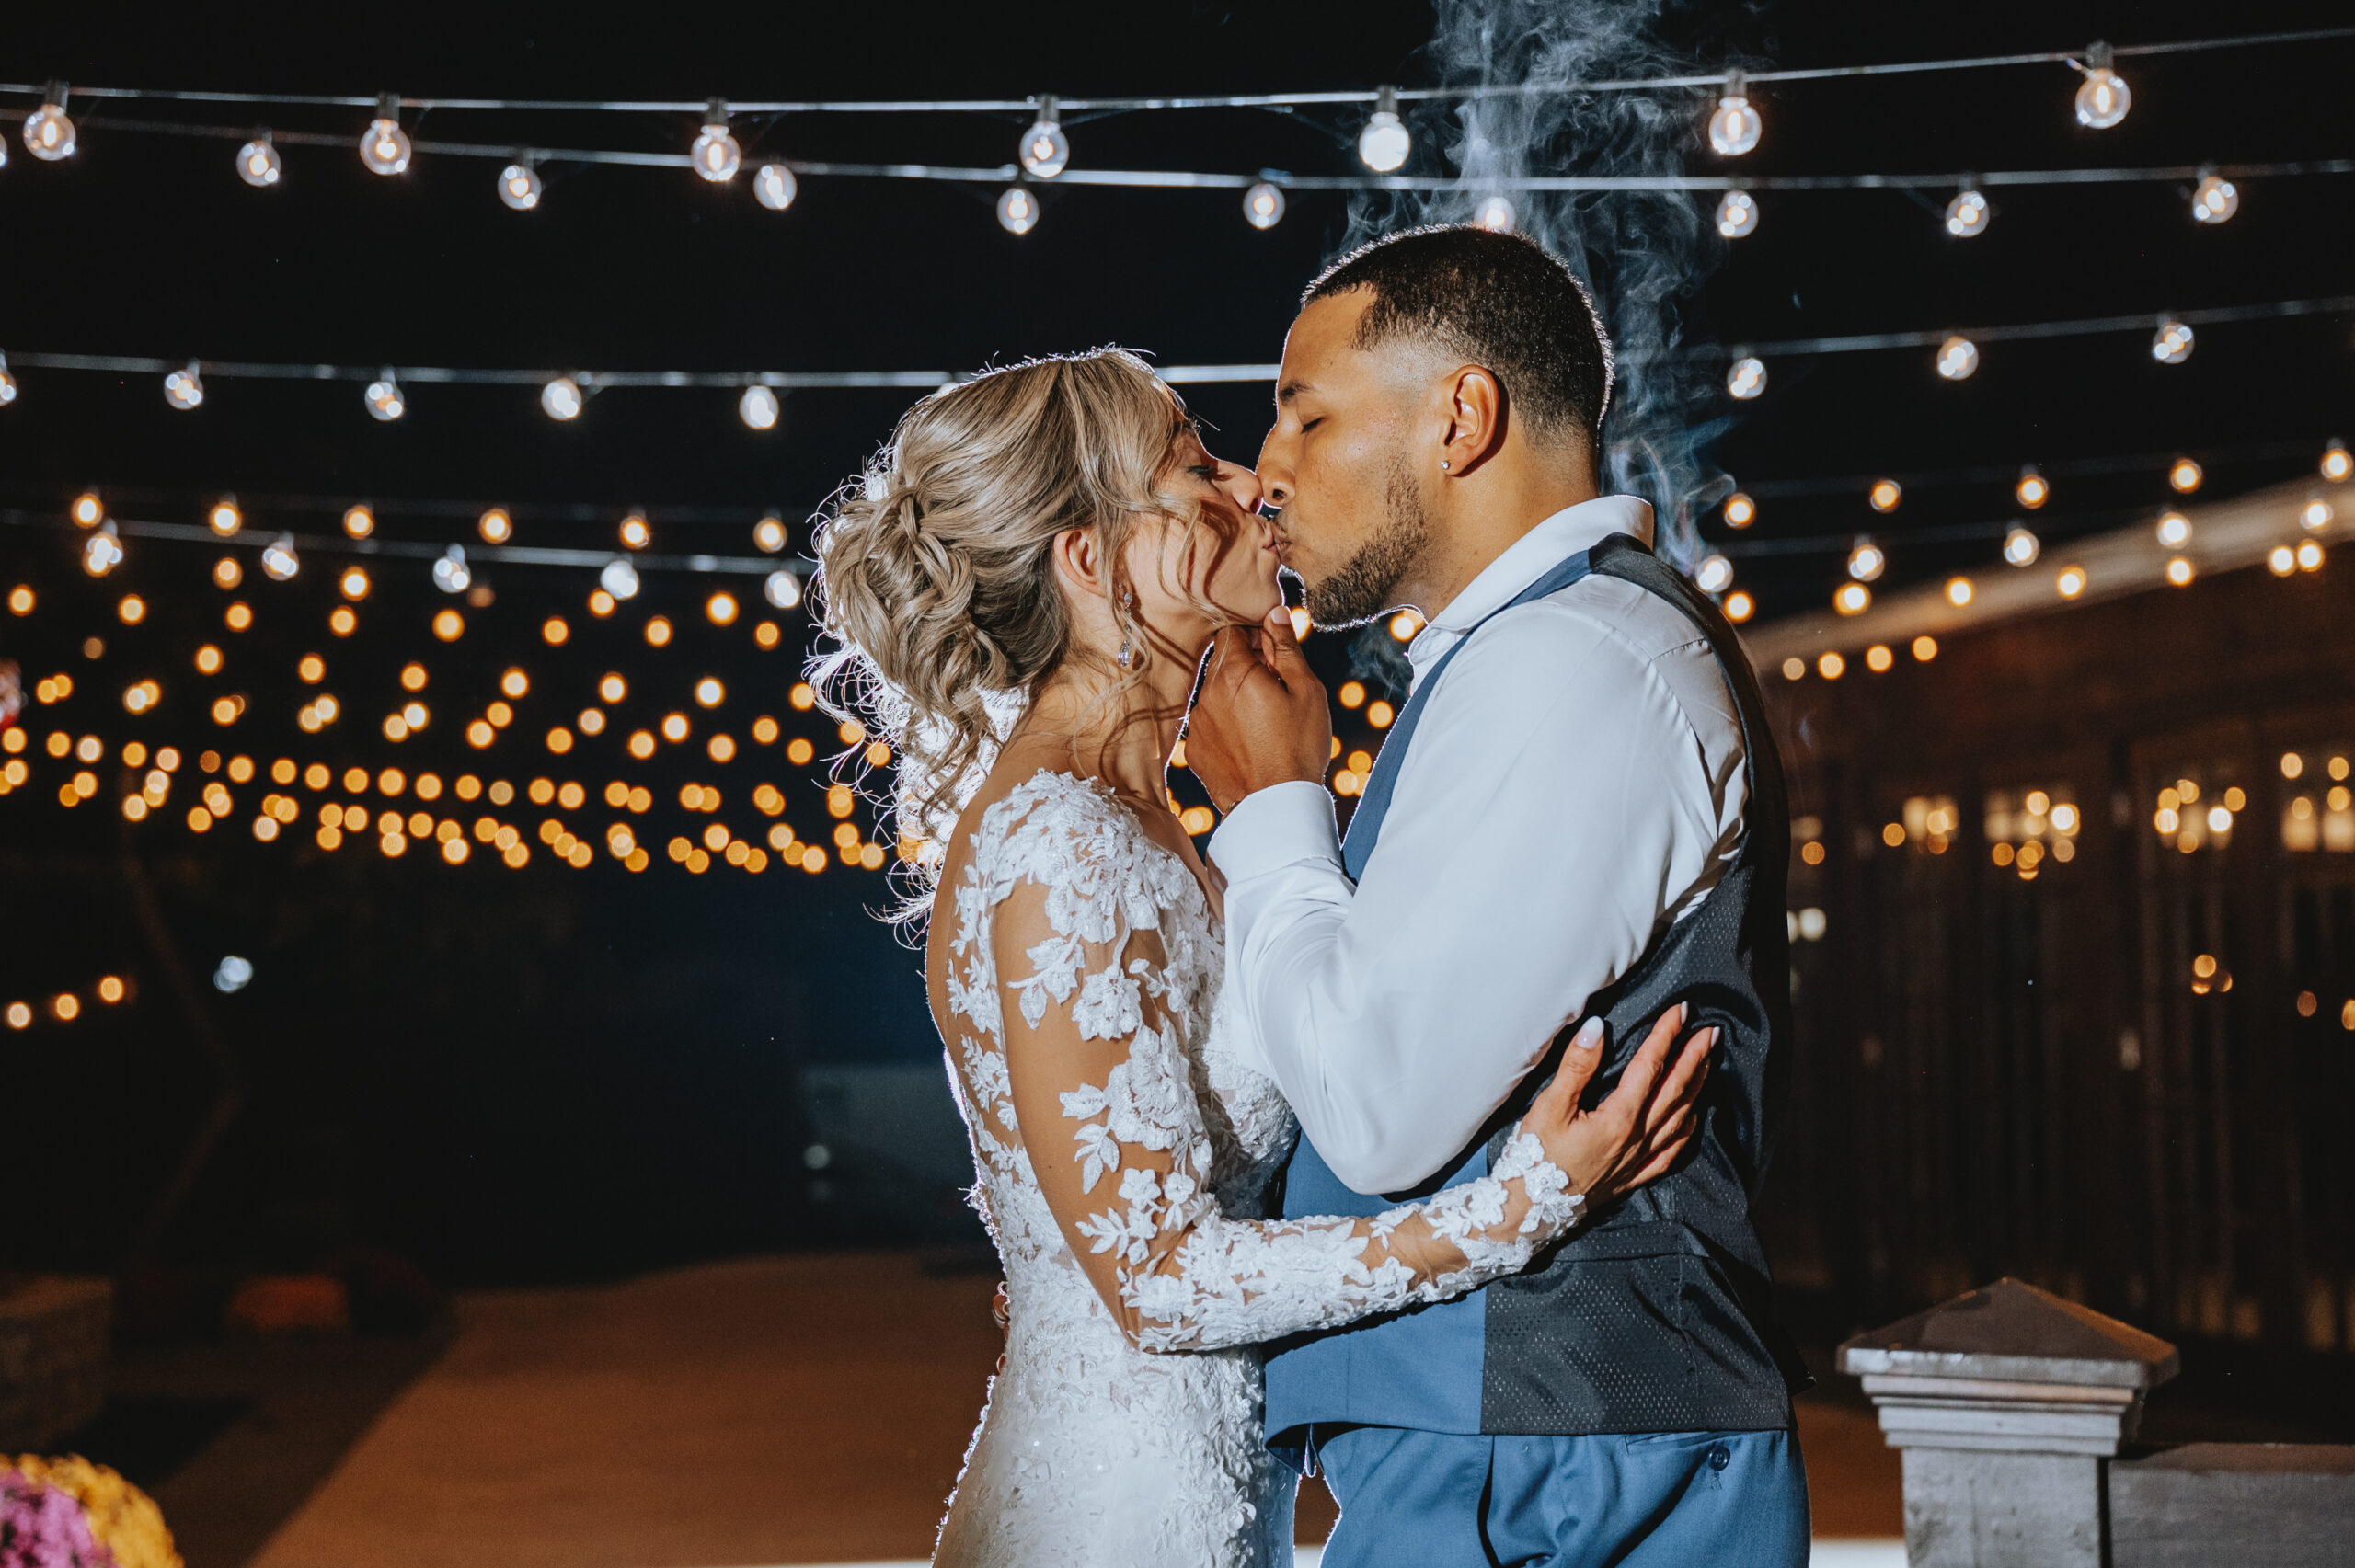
x: 806, y: 1409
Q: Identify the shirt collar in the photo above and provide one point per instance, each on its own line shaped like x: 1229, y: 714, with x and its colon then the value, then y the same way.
x: 1522, y: 563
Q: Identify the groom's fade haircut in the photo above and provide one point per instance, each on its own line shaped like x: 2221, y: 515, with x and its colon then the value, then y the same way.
x: 1500, y: 300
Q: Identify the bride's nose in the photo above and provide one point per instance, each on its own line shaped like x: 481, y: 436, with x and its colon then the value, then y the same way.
x: 1242, y: 484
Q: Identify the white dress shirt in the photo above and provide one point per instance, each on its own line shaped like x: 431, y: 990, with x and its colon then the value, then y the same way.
x: 1575, y: 784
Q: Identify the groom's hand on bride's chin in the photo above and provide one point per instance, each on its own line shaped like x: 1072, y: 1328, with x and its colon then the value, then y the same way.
x: 1260, y: 718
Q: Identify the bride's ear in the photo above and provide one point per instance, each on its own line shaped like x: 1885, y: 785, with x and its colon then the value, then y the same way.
x: 1080, y: 563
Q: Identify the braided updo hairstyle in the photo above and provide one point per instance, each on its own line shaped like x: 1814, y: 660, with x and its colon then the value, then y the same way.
x: 935, y: 575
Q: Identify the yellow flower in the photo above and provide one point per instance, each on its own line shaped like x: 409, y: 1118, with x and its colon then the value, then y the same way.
x: 123, y: 1519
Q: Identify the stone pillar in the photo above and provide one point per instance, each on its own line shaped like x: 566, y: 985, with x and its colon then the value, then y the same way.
x: 2008, y: 1404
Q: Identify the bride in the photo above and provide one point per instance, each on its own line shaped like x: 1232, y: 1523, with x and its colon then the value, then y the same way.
x: 1022, y: 587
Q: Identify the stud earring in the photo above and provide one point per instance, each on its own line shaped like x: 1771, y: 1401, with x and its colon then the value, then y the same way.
x: 1443, y: 462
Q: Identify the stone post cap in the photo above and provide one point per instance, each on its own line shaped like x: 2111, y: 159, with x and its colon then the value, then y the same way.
x: 2011, y: 1332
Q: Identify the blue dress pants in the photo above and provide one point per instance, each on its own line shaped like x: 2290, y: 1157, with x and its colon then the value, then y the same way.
x: 1656, y: 1500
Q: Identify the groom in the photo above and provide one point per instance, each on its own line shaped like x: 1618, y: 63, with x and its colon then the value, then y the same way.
x: 1580, y: 810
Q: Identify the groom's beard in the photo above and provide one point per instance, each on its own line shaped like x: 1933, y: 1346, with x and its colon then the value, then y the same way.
x: 1367, y: 583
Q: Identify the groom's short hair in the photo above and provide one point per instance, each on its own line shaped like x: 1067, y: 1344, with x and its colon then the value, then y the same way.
x: 1500, y: 300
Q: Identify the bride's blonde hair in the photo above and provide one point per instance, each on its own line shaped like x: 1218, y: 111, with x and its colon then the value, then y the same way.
x: 935, y: 574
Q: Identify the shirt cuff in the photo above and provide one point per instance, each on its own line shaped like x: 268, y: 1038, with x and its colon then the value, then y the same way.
x: 1281, y: 825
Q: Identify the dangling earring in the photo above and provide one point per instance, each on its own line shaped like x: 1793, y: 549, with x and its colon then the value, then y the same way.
x: 1128, y: 646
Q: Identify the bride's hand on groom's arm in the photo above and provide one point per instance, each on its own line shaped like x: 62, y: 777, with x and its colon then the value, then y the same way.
x: 1260, y: 717
x: 1641, y: 1127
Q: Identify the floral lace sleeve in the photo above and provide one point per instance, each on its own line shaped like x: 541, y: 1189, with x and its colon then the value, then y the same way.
x: 1095, y: 1072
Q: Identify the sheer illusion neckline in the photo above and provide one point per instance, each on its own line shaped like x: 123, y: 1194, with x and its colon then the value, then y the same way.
x: 1135, y: 820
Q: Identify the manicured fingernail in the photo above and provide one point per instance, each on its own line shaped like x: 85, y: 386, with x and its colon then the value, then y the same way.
x: 1589, y: 1035
x: 1709, y: 1037
x: 1684, y: 1011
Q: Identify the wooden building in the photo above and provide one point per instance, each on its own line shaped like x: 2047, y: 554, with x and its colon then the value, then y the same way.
x: 2073, y: 889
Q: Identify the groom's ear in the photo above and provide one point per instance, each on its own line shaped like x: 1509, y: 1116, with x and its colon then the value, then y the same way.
x: 1476, y: 416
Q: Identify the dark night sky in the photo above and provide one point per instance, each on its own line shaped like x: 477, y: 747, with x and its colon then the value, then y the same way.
x: 551, y: 1072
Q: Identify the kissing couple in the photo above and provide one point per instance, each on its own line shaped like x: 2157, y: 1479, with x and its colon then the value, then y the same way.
x: 1421, y: 1159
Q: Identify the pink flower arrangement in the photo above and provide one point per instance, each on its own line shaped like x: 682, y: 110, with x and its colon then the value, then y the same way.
x: 41, y: 1527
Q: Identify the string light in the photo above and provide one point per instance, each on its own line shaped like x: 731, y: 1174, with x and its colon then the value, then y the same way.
x: 2103, y: 97
x: 495, y: 526
x: 1733, y: 128
x: 1740, y: 606
x: 1046, y: 152
x: 1968, y: 213
x: 1740, y: 510
x: 2282, y: 560
x: 721, y: 609
x: 184, y: 388
x: 224, y: 517
x: 562, y: 398
x: 359, y: 522
x: 258, y: 162
x: 386, y: 147
x: 1713, y: 575
x: 1263, y: 205
x: 1958, y: 591
x: 1495, y: 215
x: 1746, y: 378
x: 2174, y: 530
x: 769, y: 534
x: 2315, y: 515
x: 1957, y: 358
x: 2171, y: 344
x: 1017, y: 210
x: 2336, y: 461
x: 775, y: 188
x: 2021, y: 547
x: 279, y: 562
x: 2180, y: 572
x: 2071, y: 582
x: 49, y: 134
x: 383, y: 397
x: 2214, y: 198
x: 757, y: 409
x: 519, y: 184
x: 1866, y: 560
x: 1383, y: 144
x: 2309, y: 556
x: 353, y: 582
x: 620, y: 577
x: 2184, y: 475
x: 634, y: 535
x: 2033, y: 490
x: 102, y: 552
x: 1851, y: 598
x: 714, y: 153
x: 450, y: 573
x: 1737, y: 214
x: 782, y: 588
x: 226, y: 573
x: 7, y: 380
x: 87, y: 511
x: 1885, y: 495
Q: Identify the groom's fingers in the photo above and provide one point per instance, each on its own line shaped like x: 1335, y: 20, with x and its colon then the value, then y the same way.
x: 1283, y: 650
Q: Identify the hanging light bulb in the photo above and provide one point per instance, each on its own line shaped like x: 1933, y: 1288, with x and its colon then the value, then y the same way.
x: 2021, y: 547
x: 2336, y: 461
x: 278, y: 559
x: 450, y: 573
x: 1017, y: 210
x: 384, y: 399
x: 1967, y: 213
x: 2282, y: 560
x: 2174, y: 530
x: 1865, y: 559
x: 1733, y: 129
x: 102, y: 552
x: 1046, y: 152
x: 1263, y: 205
x: 1885, y: 495
x: 386, y: 149
x: 224, y: 517
x: 1383, y: 144
x: 2033, y: 490
x: 634, y: 535
x: 2310, y: 556
x: 1713, y: 575
x: 7, y: 382
x: 360, y: 521
x: 185, y: 388
x: 620, y: 577
x: 49, y: 134
x: 562, y: 398
x: 782, y: 588
x: 1495, y: 215
x: 757, y: 408
x: 1958, y: 591
x: 769, y: 534
x: 1851, y: 598
x: 714, y: 153
x: 352, y: 581
x: 1740, y: 510
x: 1737, y: 214
x: 1746, y: 378
x: 88, y: 511
x: 2171, y: 344
x: 495, y: 526
x: 2103, y: 97
x: 519, y: 183
x: 2214, y: 198
x: 2315, y: 515
x: 258, y: 163
x: 2184, y: 475
x: 1957, y: 358
x: 775, y: 188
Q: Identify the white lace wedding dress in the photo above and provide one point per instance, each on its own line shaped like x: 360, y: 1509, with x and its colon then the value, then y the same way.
x: 1132, y: 1435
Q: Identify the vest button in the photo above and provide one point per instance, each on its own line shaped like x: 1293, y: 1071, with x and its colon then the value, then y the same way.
x: 1719, y: 1455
